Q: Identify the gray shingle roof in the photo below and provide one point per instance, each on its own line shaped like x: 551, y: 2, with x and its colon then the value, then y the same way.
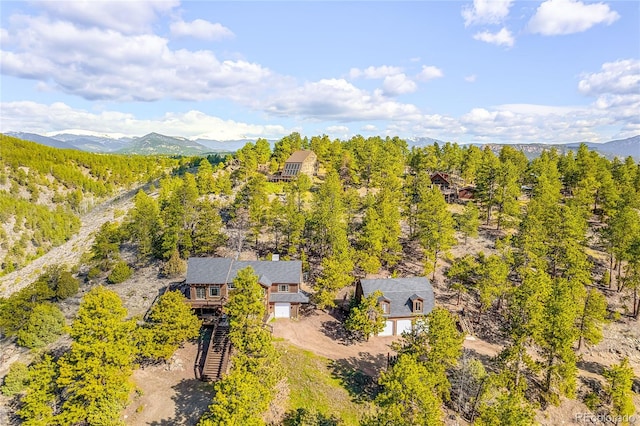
x: 288, y: 297
x: 400, y: 291
x: 218, y: 270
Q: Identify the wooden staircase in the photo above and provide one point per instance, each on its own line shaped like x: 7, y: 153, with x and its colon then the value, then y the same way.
x: 217, y: 356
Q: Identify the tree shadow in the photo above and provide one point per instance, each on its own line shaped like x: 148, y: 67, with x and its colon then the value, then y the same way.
x: 591, y: 366
x: 358, y: 374
x: 335, y: 330
x: 192, y: 397
x: 302, y: 416
x: 490, y: 363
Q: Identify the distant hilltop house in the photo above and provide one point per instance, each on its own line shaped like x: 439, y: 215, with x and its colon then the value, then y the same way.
x: 402, y: 300
x: 210, y: 279
x: 303, y: 161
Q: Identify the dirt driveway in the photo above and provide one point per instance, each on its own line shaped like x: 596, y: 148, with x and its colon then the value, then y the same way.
x: 323, y: 334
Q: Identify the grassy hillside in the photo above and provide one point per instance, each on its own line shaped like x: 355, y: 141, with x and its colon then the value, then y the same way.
x: 43, y: 191
x: 314, y: 387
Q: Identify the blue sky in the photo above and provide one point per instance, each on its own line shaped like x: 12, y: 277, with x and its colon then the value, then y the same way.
x: 472, y: 71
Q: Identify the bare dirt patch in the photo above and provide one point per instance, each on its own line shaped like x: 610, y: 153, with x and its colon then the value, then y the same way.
x: 169, y: 394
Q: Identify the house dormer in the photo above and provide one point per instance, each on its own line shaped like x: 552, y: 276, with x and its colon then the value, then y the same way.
x: 385, y: 305
x: 417, y: 304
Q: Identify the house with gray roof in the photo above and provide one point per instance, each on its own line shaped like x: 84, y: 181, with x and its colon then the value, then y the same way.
x: 210, y: 279
x: 402, y: 300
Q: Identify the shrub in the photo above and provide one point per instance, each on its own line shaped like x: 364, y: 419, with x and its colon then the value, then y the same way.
x: 66, y: 286
x: 44, y: 326
x: 94, y: 272
x: 16, y: 379
x: 121, y: 272
x: 174, y: 266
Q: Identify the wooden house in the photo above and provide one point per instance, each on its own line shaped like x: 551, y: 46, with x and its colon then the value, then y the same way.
x: 210, y: 280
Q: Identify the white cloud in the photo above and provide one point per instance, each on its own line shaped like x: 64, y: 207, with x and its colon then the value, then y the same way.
x: 617, y: 91
x: 501, y: 38
x: 374, y: 72
x: 558, y: 17
x: 104, y: 64
x: 58, y: 117
x: 128, y: 17
x: 486, y: 12
x: 341, y: 132
x: 398, y: 84
x: 369, y: 128
x: 429, y: 72
x: 470, y: 78
x: 201, y: 29
x: 620, y: 77
x: 337, y: 99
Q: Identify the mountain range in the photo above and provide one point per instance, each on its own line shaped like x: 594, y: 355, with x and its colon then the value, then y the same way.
x: 155, y: 143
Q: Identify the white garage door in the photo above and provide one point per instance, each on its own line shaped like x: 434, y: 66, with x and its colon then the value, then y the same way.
x: 282, y: 310
x: 403, y: 325
x: 388, y: 329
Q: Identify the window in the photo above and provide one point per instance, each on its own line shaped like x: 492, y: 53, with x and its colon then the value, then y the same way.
x: 385, y: 307
x: 417, y: 306
x: 214, y: 291
x: 283, y: 288
x: 200, y: 293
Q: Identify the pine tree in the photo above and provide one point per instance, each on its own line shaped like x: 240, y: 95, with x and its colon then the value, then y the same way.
x: 367, y: 318
x: 208, y: 233
x: 336, y: 274
x: 435, y: 225
x: 469, y: 221
x: 487, y: 180
x: 508, y: 408
x: 407, y: 397
x: 619, y: 380
x: 371, y: 241
x: 388, y: 202
x: 170, y: 323
x: 144, y: 225
x: 41, y: 399
x: 240, y: 399
x: 507, y: 190
x: 592, y: 318
x: 493, y: 280
x: 94, y: 374
x: 204, y: 177
x: 558, y: 334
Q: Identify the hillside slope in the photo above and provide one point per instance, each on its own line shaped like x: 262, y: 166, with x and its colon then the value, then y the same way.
x: 44, y: 190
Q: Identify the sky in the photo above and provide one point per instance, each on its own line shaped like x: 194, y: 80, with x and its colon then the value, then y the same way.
x: 478, y: 71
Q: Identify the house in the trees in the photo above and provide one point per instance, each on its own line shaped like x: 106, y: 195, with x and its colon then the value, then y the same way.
x: 466, y: 193
x: 300, y: 162
x: 402, y: 300
x: 441, y: 180
x: 209, y: 281
x: 444, y: 182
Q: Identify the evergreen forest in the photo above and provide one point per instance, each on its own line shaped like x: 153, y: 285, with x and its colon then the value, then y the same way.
x: 542, y: 262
